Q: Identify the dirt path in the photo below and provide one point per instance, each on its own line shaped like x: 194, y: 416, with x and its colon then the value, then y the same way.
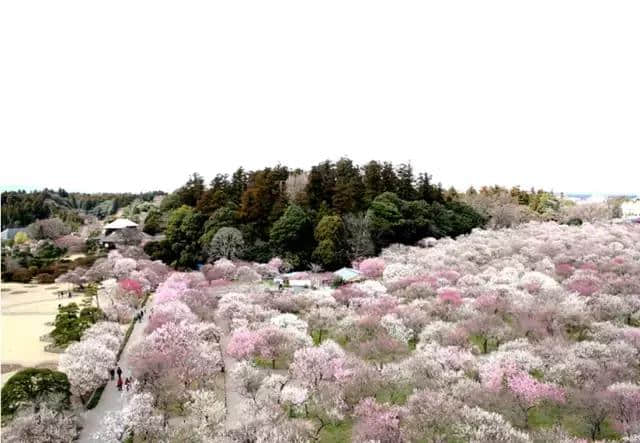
x: 233, y: 400
x: 112, y: 400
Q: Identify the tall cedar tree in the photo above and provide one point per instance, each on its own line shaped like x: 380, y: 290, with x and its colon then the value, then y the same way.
x: 348, y: 190
x: 265, y: 199
x: 372, y: 180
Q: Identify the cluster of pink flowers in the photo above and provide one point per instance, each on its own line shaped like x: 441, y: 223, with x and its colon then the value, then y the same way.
x: 372, y: 267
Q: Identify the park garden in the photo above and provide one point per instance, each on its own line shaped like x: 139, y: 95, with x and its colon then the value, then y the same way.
x: 529, y: 334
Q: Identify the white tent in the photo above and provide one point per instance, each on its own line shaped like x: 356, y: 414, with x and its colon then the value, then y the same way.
x: 121, y: 223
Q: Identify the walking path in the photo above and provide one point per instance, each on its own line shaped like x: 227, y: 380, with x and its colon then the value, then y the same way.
x: 233, y: 400
x: 112, y: 400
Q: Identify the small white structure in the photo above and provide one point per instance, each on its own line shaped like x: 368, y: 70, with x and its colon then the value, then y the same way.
x: 630, y: 209
x: 122, y: 232
x: 121, y: 223
x: 293, y: 283
x: 300, y: 283
x: 348, y: 274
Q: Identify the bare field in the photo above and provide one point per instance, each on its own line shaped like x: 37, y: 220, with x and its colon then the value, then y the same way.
x: 26, y: 308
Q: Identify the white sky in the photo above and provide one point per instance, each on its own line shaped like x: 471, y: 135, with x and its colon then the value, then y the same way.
x: 126, y: 95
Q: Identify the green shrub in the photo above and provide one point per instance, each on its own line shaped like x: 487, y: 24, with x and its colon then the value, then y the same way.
x: 337, y: 282
x: 71, y: 322
x: 32, y: 385
x: 95, y: 398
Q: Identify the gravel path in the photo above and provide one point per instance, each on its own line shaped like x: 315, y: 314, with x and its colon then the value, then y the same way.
x: 112, y: 400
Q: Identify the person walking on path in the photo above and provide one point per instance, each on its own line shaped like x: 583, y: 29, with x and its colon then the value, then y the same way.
x: 119, y: 372
x: 127, y: 383
x: 112, y: 373
x: 119, y: 383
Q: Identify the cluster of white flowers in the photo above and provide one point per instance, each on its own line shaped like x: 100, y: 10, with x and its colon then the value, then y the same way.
x: 290, y: 321
x: 396, y: 328
x: 372, y: 288
x: 293, y: 395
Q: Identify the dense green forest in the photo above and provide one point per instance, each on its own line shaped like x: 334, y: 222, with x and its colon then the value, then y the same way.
x: 328, y: 216
x: 336, y: 212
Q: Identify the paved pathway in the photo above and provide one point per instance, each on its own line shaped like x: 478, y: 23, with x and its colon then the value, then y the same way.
x: 112, y: 400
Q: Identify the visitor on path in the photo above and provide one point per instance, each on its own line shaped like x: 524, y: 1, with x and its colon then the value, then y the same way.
x: 119, y: 372
x: 112, y: 373
x: 119, y: 383
x: 127, y: 383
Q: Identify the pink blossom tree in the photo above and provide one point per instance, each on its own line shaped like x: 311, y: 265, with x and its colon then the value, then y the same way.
x: 626, y: 407
x: 169, y: 312
x: 73, y: 244
x: 372, y: 267
x: 268, y: 343
x: 378, y: 422
x: 130, y: 285
x: 175, y: 347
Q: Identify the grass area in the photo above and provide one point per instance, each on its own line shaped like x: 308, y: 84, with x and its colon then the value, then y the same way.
x: 281, y: 363
x: 393, y: 394
x: 318, y: 336
x: 336, y: 433
x: 551, y: 414
x: 483, y: 344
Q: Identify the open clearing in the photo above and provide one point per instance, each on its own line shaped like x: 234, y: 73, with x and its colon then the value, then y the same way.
x: 26, y: 308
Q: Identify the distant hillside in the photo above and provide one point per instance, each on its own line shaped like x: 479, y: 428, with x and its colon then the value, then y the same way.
x: 20, y: 208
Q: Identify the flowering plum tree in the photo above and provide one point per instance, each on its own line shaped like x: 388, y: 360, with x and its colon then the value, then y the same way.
x: 378, y: 422
x: 87, y: 365
x: 43, y: 425
x: 169, y: 312
x: 372, y: 267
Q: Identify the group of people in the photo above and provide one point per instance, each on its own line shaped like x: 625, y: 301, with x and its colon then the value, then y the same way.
x: 113, y: 371
x: 127, y: 380
x: 61, y: 294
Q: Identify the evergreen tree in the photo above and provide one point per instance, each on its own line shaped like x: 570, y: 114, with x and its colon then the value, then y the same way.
x: 348, y: 189
x: 321, y: 185
x: 238, y: 185
x: 153, y: 222
x: 389, y: 178
x: 331, y: 251
x: 184, y: 229
x: 292, y: 235
x: 372, y: 179
x: 405, y: 189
